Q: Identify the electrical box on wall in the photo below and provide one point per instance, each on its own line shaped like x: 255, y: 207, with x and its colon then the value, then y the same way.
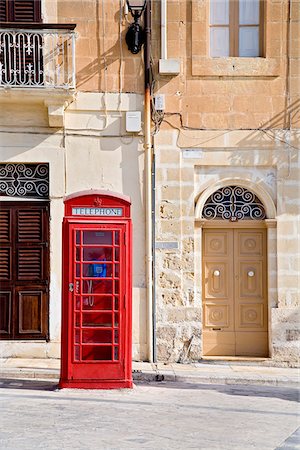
x: 169, y: 66
x: 159, y: 102
x: 133, y: 121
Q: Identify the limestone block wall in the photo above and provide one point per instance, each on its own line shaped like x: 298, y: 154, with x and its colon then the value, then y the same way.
x: 232, y: 92
x: 103, y: 62
x: 183, y: 174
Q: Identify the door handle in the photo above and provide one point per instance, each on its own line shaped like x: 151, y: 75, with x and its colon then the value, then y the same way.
x: 71, y: 287
x: 251, y: 273
x: 216, y: 273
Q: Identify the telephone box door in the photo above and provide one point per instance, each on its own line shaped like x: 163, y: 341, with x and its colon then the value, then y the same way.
x: 96, y: 297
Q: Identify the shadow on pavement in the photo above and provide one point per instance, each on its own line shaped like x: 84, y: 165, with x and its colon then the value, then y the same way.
x: 32, y: 385
x: 283, y: 393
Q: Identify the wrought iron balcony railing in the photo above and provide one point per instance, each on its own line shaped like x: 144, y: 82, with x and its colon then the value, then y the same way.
x: 37, y: 55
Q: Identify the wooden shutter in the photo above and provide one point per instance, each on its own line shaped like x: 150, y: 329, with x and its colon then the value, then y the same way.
x: 24, y: 270
x: 20, y: 11
x: 5, y: 227
x: 3, y: 11
x: 5, y: 245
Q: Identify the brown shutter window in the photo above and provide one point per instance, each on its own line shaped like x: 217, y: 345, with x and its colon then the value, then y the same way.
x: 20, y: 11
x: 24, y: 270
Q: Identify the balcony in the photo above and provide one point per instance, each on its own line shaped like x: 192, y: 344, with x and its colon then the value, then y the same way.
x: 37, y: 55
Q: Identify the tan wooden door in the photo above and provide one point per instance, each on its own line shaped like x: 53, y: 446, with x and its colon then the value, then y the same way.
x: 234, y: 292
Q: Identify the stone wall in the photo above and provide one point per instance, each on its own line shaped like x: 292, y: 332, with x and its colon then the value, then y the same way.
x: 183, y: 174
x: 92, y: 151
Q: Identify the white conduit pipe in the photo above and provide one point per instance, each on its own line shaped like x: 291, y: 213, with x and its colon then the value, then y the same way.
x: 163, y: 29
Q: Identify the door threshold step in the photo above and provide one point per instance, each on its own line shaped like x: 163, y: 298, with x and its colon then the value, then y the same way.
x: 243, y: 360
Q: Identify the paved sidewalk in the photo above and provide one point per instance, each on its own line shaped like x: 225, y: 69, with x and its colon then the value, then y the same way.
x: 206, y: 372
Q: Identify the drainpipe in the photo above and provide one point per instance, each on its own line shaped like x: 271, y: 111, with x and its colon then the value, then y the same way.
x: 163, y: 29
x: 148, y: 184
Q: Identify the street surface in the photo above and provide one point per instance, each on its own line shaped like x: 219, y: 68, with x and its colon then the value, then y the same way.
x: 34, y: 415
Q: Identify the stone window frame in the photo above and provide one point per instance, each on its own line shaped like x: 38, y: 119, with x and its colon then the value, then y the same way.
x: 234, y: 27
x: 205, y: 66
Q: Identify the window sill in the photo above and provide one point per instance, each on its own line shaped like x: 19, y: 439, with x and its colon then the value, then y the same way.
x: 235, y: 67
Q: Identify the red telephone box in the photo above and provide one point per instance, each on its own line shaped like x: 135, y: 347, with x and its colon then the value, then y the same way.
x: 96, y: 305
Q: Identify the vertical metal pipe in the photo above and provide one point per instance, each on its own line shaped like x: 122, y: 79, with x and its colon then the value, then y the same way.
x: 148, y: 190
x: 73, y: 61
x: 163, y: 28
x: 153, y: 259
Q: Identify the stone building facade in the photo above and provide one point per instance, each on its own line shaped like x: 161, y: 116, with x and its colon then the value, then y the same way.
x: 231, y: 121
x: 228, y: 121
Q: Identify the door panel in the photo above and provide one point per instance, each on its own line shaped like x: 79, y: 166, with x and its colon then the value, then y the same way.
x: 30, y: 311
x: 218, y: 323
x: 251, y: 280
x: 252, y: 344
x: 217, y: 276
x: 251, y: 292
x: 234, y: 292
x: 216, y: 316
x: 217, y: 243
x: 5, y: 316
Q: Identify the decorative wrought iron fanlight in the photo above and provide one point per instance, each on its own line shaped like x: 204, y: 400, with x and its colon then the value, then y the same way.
x: 233, y: 203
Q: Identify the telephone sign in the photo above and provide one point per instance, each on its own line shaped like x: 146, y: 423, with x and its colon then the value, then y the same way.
x: 97, y: 212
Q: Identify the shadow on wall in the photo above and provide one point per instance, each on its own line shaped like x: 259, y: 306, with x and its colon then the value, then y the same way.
x: 286, y: 117
x: 98, y: 68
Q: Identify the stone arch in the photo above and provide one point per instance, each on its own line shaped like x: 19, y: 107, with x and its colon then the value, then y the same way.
x: 256, y: 189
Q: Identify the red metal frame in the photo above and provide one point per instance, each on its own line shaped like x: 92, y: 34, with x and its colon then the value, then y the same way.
x: 96, y: 315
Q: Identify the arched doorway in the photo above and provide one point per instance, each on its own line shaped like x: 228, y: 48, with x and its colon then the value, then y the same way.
x: 234, y: 274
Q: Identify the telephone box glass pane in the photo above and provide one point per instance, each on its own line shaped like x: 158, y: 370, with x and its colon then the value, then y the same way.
x: 96, y: 336
x: 77, y: 303
x: 116, y: 340
x: 93, y: 319
x: 97, y: 287
x: 77, y: 320
x: 95, y: 254
x: 97, y: 237
x: 116, y: 303
x: 117, y: 254
x: 77, y: 336
x: 117, y: 238
x: 116, y: 353
x: 94, y: 302
x: 77, y: 237
x: 77, y: 353
x: 96, y: 353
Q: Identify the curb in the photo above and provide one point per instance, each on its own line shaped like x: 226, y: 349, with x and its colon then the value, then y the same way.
x: 151, y: 376
x: 226, y: 380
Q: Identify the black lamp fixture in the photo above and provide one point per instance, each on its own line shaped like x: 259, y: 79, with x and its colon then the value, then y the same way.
x: 135, y: 36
